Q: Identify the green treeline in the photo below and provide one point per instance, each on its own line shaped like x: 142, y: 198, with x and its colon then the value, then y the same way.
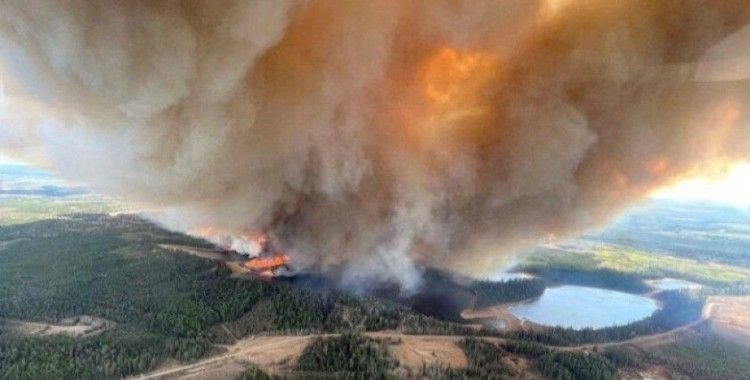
x: 705, y: 357
x: 488, y: 360
x: 348, y: 355
x: 485, y: 359
x: 490, y: 293
x: 574, y: 274
x: 575, y: 365
x: 253, y: 372
x: 112, y: 354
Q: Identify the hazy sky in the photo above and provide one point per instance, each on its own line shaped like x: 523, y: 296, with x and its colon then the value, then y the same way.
x: 731, y: 187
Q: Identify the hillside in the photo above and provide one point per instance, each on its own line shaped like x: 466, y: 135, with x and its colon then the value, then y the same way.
x: 96, y: 296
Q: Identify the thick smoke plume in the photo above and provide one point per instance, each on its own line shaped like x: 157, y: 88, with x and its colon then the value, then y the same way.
x: 374, y: 135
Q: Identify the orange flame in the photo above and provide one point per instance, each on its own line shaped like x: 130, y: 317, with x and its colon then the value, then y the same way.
x: 267, y: 264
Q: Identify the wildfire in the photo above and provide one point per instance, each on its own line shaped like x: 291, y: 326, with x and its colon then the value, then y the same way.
x: 268, y: 264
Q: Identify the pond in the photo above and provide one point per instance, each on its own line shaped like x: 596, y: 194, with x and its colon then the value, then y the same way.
x: 580, y: 307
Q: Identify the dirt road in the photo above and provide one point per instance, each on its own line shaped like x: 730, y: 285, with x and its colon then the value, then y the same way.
x: 79, y: 327
x: 274, y: 354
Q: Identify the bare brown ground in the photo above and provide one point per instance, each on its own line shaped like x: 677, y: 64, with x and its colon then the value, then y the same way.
x: 730, y: 318
x: 237, y: 268
x: 200, y: 252
x: 413, y: 351
x: 498, y: 313
x: 274, y: 354
x: 651, y: 373
x: 75, y: 327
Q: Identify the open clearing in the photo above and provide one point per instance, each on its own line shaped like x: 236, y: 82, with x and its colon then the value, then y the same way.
x: 200, y: 252
x: 275, y: 354
x: 76, y: 327
x: 414, y: 351
x: 730, y: 318
x: 237, y: 268
x: 500, y: 314
x: 279, y: 354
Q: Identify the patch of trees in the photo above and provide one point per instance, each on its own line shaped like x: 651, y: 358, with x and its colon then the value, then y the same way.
x: 575, y: 365
x: 624, y: 357
x: 112, y: 354
x: 490, y: 293
x: 485, y: 359
x: 678, y: 308
x: 585, y: 276
x: 254, y: 372
x: 705, y: 356
x: 524, y: 348
x: 348, y: 355
x: 417, y: 324
x: 736, y: 289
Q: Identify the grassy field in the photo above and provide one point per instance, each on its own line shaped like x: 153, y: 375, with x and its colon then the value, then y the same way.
x: 649, y: 265
x: 639, y: 263
x: 18, y: 210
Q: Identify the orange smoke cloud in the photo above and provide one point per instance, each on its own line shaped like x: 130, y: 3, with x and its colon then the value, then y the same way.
x: 365, y: 133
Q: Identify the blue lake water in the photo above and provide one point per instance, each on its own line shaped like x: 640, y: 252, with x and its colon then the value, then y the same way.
x: 581, y: 307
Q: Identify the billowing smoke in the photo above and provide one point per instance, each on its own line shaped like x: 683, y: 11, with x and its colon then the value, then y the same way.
x: 375, y: 135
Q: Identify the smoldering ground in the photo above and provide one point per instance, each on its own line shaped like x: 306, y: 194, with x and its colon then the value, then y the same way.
x: 375, y: 134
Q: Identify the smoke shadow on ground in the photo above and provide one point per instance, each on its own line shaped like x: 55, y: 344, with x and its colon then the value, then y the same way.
x: 441, y: 294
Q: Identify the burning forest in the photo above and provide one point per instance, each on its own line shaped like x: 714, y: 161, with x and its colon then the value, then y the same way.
x: 376, y: 136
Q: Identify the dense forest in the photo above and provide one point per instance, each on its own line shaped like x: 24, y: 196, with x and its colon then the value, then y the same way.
x: 488, y: 360
x: 253, y: 372
x: 179, y: 305
x: 576, y: 365
x: 490, y: 293
x: 596, y: 277
x: 112, y: 354
x: 705, y: 356
x: 347, y: 356
x: 485, y: 359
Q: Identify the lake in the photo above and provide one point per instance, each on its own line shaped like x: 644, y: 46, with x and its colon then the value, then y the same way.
x: 580, y: 307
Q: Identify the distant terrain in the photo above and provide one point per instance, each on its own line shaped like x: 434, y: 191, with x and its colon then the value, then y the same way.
x: 29, y: 194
